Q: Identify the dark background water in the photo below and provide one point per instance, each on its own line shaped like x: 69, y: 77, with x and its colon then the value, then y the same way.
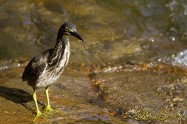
x: 114, y: 30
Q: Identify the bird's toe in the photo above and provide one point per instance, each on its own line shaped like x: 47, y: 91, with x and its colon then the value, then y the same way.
x: 50, y: 110
x: 38, y: 114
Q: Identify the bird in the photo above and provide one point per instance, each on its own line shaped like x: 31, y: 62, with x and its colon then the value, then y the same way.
x: 45, y: 68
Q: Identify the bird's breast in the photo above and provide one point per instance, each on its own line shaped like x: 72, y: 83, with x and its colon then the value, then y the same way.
x: 63, y: 59
x: 51, y: 74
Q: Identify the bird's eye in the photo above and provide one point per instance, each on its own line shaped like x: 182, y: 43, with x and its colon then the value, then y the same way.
x: 68, y: 30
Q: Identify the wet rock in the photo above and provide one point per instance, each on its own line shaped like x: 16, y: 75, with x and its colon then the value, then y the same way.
x: 144, y: 94
x: 70, y: 96
x: 118, y: 32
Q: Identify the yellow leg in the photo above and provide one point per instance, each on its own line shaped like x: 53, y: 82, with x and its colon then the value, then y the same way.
x: 48, y: 107
x: 38, y: 113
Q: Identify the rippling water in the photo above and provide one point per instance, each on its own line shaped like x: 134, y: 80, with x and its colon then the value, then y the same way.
x: 115, y: 31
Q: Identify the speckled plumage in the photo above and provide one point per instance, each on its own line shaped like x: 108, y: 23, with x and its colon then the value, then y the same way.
x: 45, y: 68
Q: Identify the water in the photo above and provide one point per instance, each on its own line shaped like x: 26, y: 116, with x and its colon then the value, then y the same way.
x: 114, y: 30
x: 181, y: 59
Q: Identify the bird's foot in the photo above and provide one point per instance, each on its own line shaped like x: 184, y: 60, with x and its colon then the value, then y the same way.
x: 48, y: 109
x: 38, y: 114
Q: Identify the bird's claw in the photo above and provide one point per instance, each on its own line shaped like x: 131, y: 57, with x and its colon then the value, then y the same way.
x: 48, y: 109
x: 38, y: 114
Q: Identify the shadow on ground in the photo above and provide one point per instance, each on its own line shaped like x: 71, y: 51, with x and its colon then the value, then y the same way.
x: 16, y: 95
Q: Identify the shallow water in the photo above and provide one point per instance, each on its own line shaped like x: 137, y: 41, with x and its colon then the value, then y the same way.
x: 114, y: 30
x: 113, y: 75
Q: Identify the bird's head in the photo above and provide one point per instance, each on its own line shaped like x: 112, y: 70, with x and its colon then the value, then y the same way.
x: 69, y: 29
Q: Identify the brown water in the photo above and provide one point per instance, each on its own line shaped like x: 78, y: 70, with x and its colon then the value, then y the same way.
x: 123, y: 40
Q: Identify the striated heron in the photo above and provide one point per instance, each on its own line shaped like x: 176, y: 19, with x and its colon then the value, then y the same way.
x: 44, y: 69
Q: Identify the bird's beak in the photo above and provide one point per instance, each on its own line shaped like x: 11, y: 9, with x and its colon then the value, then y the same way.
x: 75, y: 34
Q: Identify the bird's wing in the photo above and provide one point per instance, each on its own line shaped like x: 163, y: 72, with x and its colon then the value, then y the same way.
x: 36, y: 66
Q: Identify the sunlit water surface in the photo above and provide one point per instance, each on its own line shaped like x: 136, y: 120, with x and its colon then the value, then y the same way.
x: 115, y: 31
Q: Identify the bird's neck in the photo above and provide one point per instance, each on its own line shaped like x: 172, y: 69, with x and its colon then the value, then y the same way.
x: 61, y: 43
x: 61, y: 37
x: 60, y: 50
